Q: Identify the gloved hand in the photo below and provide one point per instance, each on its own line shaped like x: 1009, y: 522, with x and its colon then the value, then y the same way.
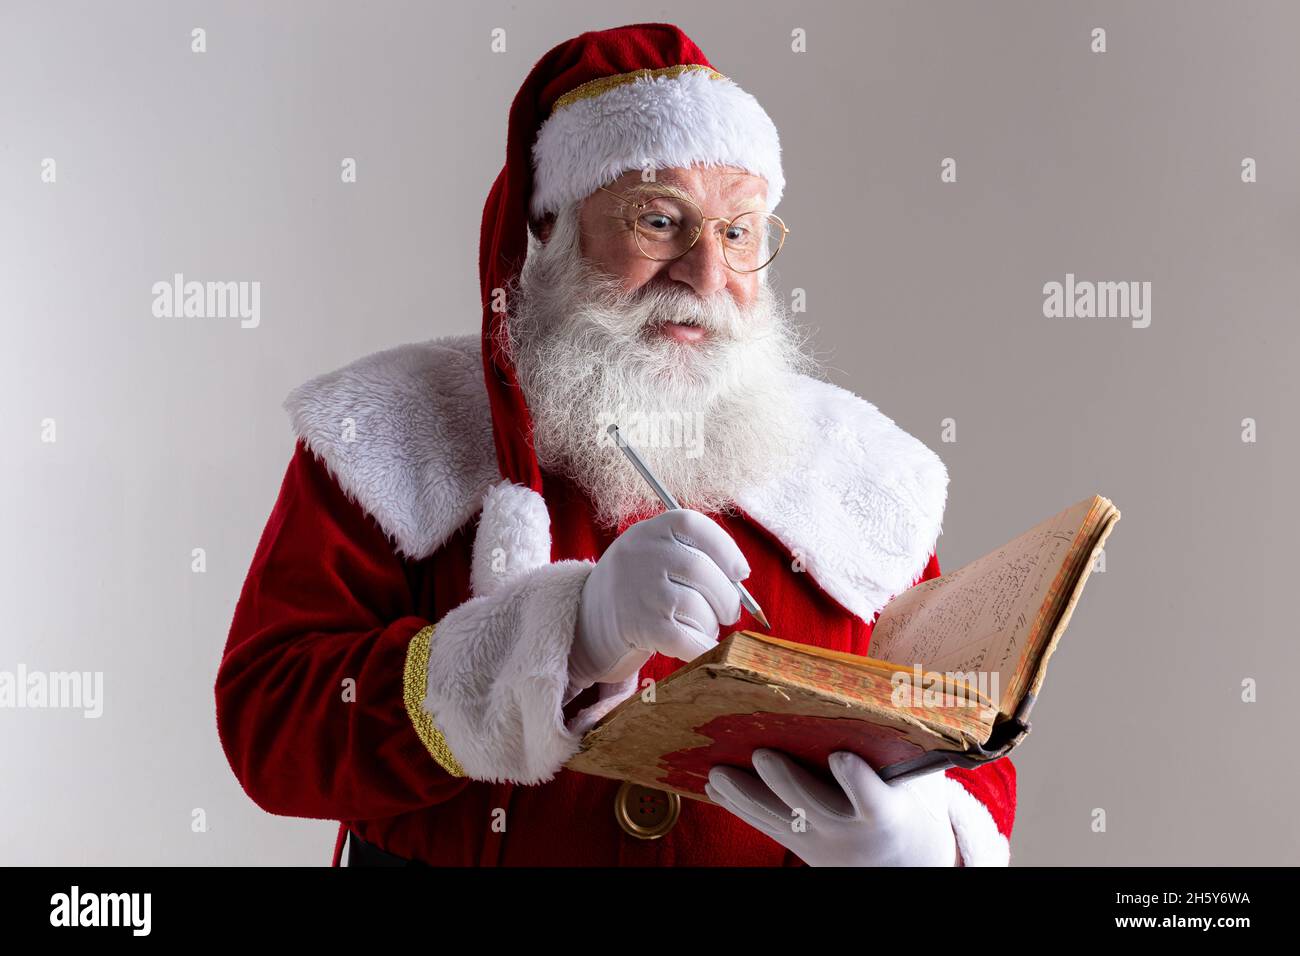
x: 664, y: 585
x: 869, y: 823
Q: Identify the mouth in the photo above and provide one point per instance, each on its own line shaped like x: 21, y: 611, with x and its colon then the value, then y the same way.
x: 688, y: 331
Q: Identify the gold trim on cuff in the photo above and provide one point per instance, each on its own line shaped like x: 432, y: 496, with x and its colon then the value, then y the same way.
x: 602, y: 84
x: 415, y: 679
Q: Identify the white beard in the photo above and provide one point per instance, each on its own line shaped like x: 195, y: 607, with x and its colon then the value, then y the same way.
x: 710, y: 418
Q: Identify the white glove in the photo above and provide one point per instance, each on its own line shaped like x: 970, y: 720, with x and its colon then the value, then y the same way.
x: 869, y: 823
x: 664, y: 585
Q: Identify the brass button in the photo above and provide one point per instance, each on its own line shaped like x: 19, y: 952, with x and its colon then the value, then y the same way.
x: 644, y: 812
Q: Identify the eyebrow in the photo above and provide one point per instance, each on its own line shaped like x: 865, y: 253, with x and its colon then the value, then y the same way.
x: 646, y: 190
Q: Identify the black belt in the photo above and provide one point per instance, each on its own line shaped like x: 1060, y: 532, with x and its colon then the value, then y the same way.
x: 361, y: 853
x: 642, y: 812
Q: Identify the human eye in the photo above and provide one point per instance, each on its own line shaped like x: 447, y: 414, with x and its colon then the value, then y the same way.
x: 739, y: 235
x: 656, y: 222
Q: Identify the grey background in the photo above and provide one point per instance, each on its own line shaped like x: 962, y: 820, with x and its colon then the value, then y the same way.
x: 926, y: 297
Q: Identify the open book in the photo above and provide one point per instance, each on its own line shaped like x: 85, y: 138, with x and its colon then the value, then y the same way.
x: 957, y: 662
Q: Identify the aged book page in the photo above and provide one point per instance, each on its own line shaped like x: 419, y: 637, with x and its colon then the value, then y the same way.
x: 983, y: 616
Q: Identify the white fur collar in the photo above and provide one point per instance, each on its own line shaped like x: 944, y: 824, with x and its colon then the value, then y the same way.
x: 407, y: 434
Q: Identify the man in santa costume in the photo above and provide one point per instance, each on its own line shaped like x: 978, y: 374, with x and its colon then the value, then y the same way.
x: 462, y: 573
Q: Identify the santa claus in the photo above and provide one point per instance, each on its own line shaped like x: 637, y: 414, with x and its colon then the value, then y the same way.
x: 462, y: 574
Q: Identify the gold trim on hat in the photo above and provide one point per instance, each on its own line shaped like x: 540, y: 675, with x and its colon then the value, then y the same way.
x: 414, y: 678
x: 604, y: 83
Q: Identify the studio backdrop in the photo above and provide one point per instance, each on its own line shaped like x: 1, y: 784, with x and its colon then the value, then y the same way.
x: 948, y: 165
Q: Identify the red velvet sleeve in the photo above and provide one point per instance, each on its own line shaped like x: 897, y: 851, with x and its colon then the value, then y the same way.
x: 309, y: 694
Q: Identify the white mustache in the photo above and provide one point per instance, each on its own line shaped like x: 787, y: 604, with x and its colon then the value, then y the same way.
x: 718, y: 314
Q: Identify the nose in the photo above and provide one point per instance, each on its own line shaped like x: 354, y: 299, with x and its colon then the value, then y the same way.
x: 703, y: 268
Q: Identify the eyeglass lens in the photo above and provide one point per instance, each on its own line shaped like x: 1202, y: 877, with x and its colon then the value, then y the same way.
x: 667, y: 227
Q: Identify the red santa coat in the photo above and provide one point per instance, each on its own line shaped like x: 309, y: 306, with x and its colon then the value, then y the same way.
x: 398, y: 655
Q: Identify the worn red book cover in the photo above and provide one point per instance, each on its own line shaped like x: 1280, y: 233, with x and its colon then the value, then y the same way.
x: 754, y: 690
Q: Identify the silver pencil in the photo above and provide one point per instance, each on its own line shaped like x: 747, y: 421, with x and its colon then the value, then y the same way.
x: 670, y: 502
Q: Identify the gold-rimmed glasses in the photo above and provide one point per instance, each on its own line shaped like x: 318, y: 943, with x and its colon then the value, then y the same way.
x: 667, y: 226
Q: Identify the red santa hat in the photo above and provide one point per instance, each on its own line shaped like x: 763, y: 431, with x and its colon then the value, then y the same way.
x: 633, y: 97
